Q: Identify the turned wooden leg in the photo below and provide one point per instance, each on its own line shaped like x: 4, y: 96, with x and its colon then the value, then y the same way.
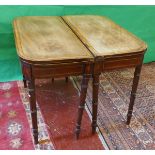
x: 133, y: 92
x: 33, y: 108
x: 95, y: 102
x: 24, y: 81
x: 84, y: 86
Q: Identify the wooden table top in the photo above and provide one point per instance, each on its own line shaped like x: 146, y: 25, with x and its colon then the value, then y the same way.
x: 47, y: 39
x: 103, y: 37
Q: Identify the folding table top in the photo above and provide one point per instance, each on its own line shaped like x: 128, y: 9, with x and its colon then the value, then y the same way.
x: 103, y: 37
x: 47, y: 39
x: 54, y: 38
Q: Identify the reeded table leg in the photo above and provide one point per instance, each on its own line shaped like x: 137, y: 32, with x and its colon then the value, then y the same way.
x: 31, y: 88
x: 95, y: 102
x: 84, y: 86
x: 133, y: 92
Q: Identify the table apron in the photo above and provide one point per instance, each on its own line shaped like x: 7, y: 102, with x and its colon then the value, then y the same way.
x: 122, y: 62
x: 57, y: 70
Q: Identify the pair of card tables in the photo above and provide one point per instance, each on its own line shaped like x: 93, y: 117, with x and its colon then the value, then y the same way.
x: 54, y: 46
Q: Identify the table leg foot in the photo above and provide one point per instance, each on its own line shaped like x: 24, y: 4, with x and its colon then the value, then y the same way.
x: 95, y: 102
x: 35, y: 135
x: 33, y: 108
x: 84, y: 87
x: 133, y: 92
x: 77, y: 131
x: 94, y: 128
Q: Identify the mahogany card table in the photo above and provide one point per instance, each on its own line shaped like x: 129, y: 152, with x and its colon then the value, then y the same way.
x: 75, y: 45
x: 112, y: 47
x: 48, y: 48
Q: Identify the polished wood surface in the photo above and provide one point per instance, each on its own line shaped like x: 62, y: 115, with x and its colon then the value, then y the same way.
x: 47, y: 39
x: 103, y: 37
x: 112, y: 47
x: 51, y: 47
x: 48, y: 48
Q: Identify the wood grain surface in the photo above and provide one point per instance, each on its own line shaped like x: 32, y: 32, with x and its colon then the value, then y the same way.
x: 47, y: 39
x: 102, y: 36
